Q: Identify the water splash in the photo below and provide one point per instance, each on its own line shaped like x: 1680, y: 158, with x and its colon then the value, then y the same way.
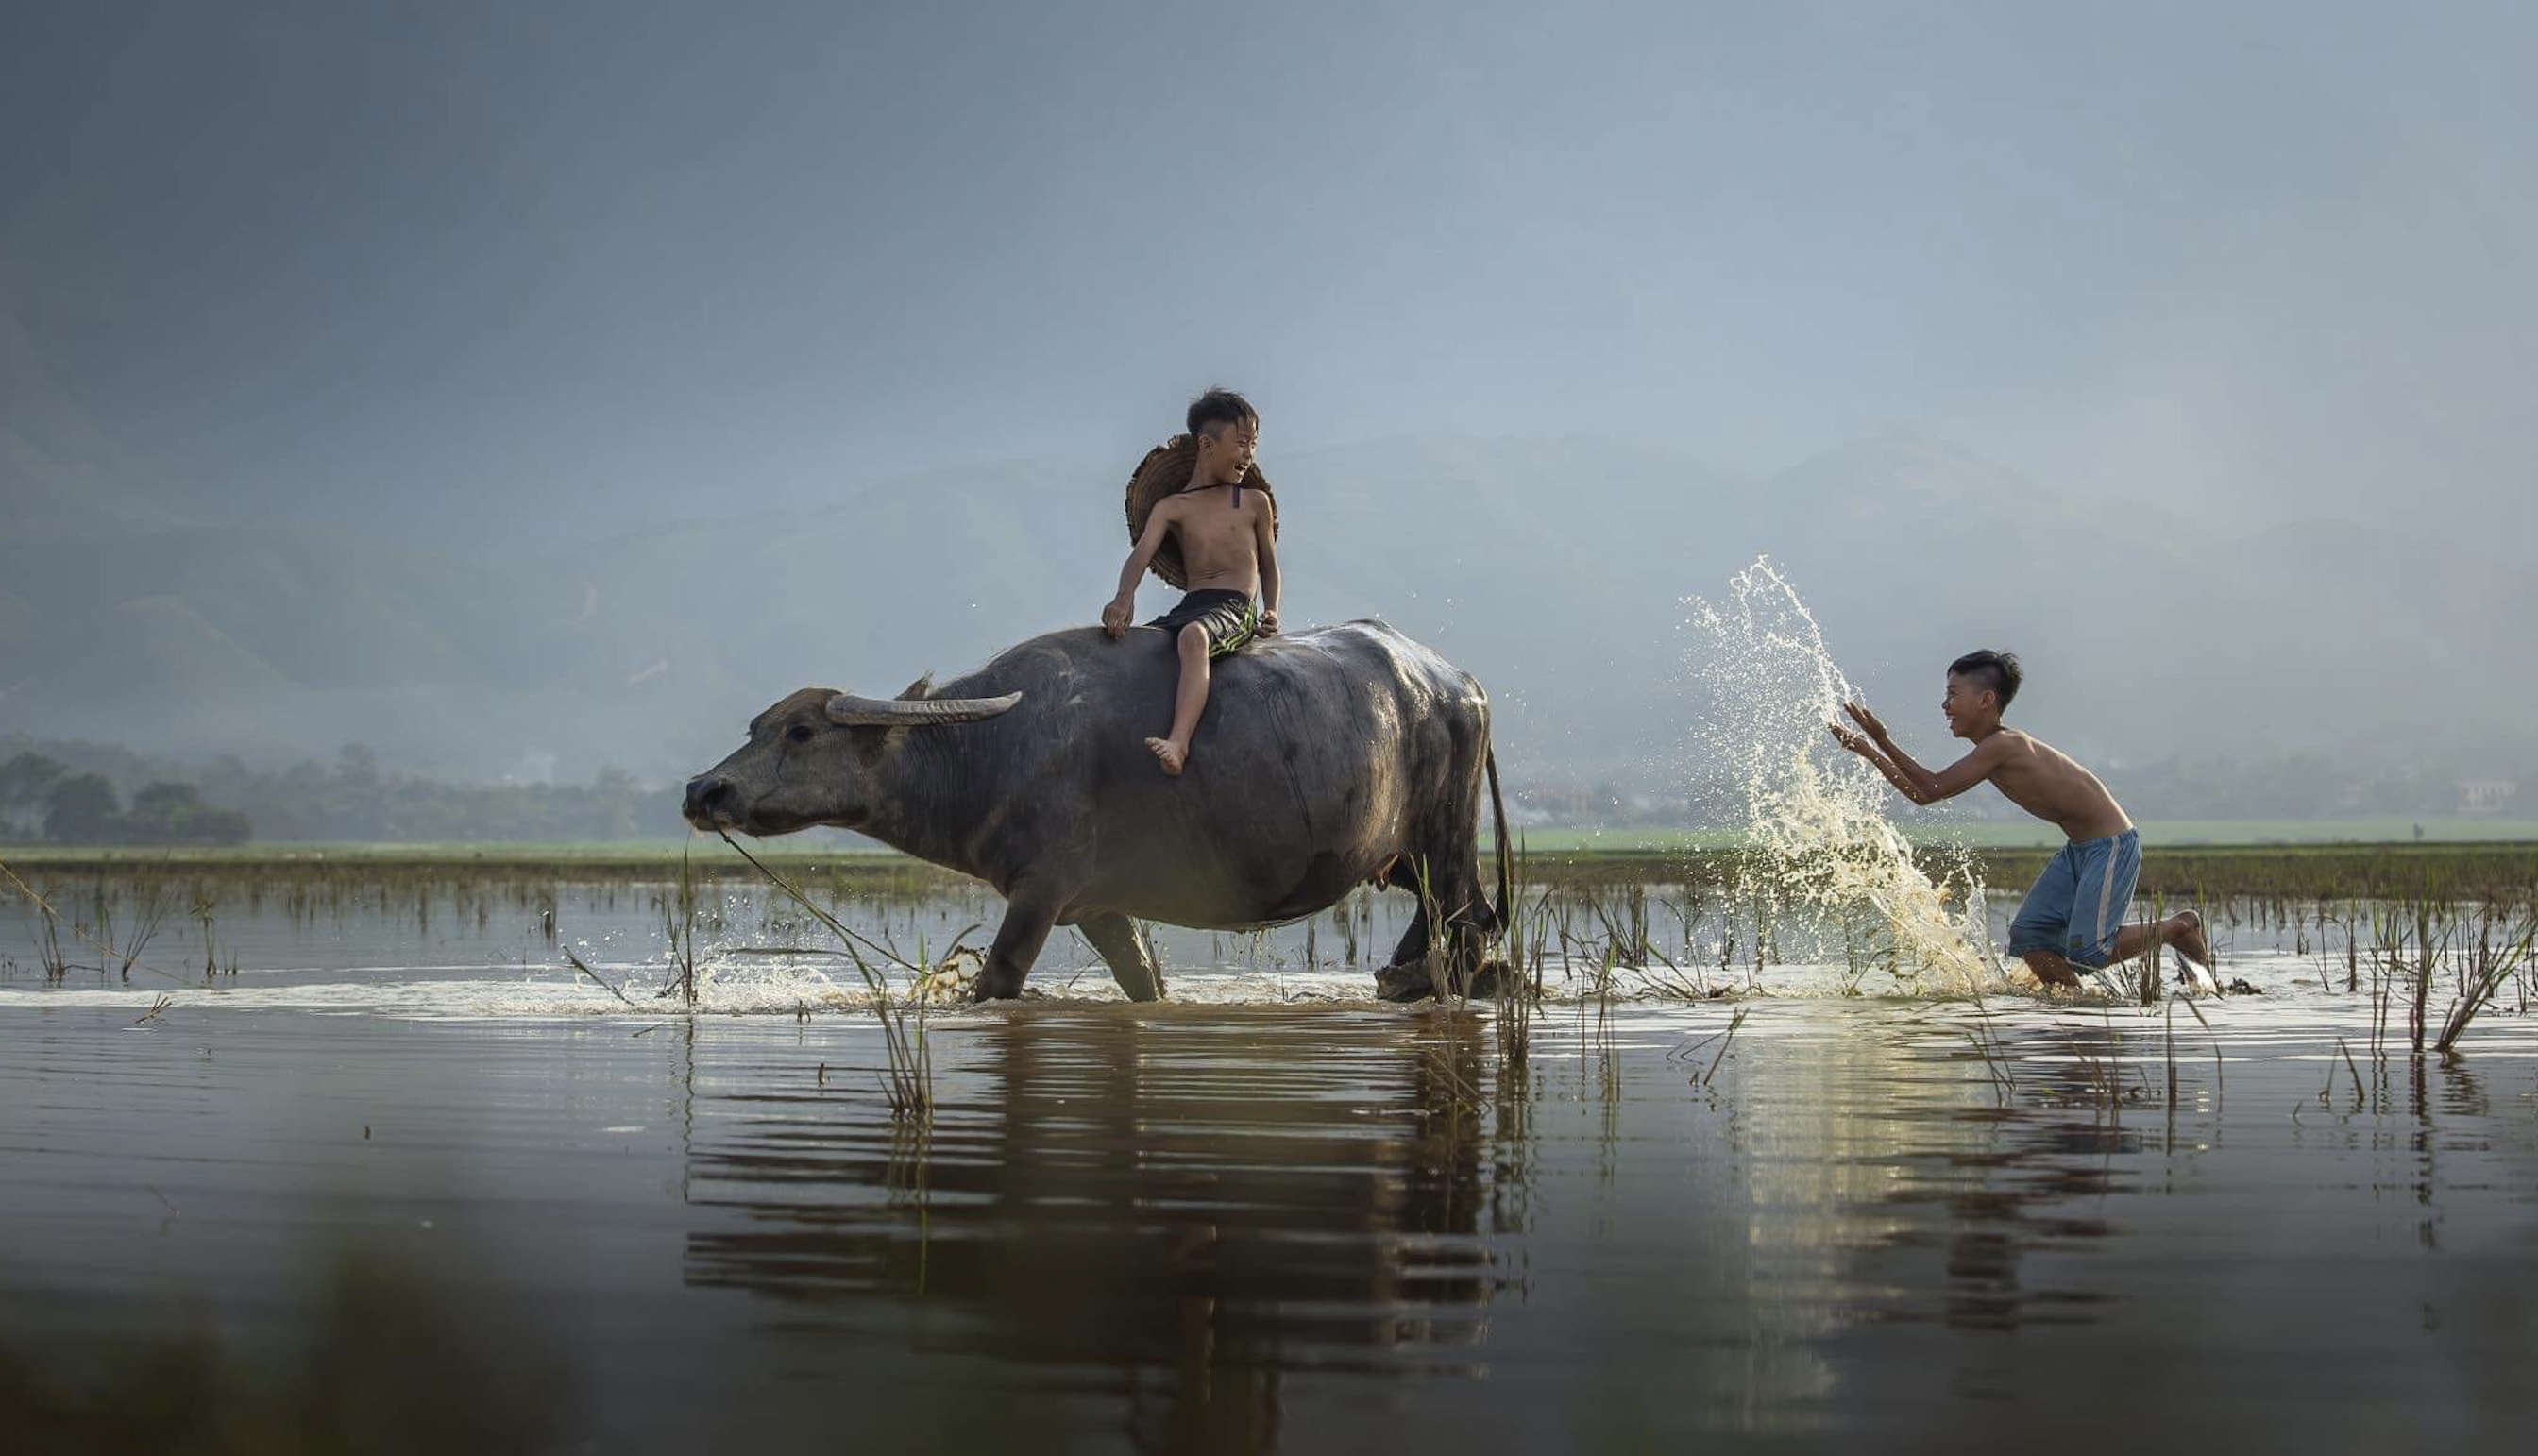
x: 1822, y: 849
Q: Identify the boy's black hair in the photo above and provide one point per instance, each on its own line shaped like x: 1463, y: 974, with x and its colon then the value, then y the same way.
x: 1220, y: 405
x: 1998, y: 671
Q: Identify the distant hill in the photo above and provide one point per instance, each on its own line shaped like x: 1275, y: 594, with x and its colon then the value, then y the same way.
x: 58, y: 479
x: 1554, y: 568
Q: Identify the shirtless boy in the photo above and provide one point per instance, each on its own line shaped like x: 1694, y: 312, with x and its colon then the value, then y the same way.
x: 2069, y: 917
x: 1229, y: 542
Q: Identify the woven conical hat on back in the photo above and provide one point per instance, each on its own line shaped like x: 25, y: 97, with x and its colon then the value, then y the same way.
x: 1163, y: 472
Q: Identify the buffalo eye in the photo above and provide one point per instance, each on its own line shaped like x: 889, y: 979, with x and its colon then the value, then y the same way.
x: 798, y: 733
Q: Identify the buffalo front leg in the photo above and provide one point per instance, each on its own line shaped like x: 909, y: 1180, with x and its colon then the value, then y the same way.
x: 1018, y: 942
x: 1115, y: 938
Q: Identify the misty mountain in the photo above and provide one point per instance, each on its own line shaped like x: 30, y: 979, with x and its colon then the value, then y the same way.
x: 59, y: 477
x: 1554, y: 568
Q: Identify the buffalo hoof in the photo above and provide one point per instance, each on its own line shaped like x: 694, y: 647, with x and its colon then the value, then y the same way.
x: 1404, y: 982
x: 1410, y: 981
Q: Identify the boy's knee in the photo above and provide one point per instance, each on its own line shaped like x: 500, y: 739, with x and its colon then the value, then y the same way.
x: 1194, y: 638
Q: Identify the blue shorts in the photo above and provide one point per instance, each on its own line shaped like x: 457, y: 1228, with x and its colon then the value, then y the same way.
x: 2078, y: 903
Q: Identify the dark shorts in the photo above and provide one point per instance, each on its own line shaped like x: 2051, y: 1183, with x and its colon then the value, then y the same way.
x: 1230, y: 618
x: 2078, y: 902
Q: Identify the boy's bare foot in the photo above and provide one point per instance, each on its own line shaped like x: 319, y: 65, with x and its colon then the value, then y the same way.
x: 2193, y: 951
x: 2189, y: 939
x: 2052, y: 969
x: 1171, y: 754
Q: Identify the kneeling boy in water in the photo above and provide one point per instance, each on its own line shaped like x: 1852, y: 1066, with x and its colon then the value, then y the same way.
x: 1229, y: 540
x: 2070, y: 917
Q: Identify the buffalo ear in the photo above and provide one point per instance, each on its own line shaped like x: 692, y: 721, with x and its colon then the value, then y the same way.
x: 916, y: 692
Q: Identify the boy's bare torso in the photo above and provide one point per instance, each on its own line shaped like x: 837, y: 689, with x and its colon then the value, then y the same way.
x: 2046, y: 782
x: 1220, y: 540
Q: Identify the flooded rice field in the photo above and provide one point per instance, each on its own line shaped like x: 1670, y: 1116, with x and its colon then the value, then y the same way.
x: 381, y: 1169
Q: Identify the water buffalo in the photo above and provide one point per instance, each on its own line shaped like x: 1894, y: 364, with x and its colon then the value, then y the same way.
x: 1328, y: 758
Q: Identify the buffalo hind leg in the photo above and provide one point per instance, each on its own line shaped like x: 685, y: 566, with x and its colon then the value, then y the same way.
x: 1116, y: 936
x: 1459, y: 901
x: 1027, y: 920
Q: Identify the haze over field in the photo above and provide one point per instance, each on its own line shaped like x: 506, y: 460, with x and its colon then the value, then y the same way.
x: 526, y: 390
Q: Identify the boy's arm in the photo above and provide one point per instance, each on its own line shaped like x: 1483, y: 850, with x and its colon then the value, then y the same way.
x: 1915, y: 782
x: 1115, y: 617
x: 1884, y: 741
x: 1264, y: 530
x: 1866, y: 749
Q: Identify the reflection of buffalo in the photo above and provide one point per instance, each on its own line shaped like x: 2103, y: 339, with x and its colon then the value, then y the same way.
x: 1196, y: 1204
x: 1328, y: 758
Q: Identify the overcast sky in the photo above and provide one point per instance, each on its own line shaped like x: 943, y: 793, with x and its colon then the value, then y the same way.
x: 553, y: 264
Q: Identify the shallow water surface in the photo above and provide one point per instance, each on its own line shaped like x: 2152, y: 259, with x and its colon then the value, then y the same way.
x: 400, y: 1184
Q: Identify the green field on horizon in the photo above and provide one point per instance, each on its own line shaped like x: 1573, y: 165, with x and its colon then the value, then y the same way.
x: 2019, y: 834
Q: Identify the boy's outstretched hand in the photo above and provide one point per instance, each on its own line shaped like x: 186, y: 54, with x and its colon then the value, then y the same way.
x: 1850, y: 740
x: 1115, y: 617
x: 1860, y: 714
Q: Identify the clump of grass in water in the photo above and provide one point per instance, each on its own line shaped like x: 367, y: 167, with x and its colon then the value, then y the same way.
x: 1820, y: 842
x: 1687, y: 1054
x: 680, y: 918
x: 149, y: 912
x: 2504, y: 939
x: 2482, y: 947
x: 48, y: 945
x: 1985, y: 1039
x: 1519, y: 990
x: 204, y: 908
x: 48, y: 934
x: 50, y: 954
x: 908, y: 1083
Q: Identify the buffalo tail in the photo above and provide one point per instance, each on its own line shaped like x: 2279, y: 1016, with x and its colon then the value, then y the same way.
x: 1507, y: 851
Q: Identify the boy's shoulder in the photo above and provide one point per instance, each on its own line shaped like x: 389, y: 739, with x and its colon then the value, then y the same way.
x: 2022, y: 747
x: 2004, y: 743
x: 1252, y: 502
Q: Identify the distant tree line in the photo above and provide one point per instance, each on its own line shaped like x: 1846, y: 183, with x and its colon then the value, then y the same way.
x: 44, y: 796
x: 73, y: 792
x: 70, y: 792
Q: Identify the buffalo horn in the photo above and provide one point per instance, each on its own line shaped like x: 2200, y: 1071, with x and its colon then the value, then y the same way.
x: 849, y: 711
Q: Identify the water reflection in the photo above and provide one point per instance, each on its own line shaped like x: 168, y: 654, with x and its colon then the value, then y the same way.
x: 1184, y: 1208
x: 1170, y: 1206
x: 1246, y: 1227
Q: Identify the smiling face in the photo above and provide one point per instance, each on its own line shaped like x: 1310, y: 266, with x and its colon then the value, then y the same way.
x: 1970, y: 708
x: 1226, y: 451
